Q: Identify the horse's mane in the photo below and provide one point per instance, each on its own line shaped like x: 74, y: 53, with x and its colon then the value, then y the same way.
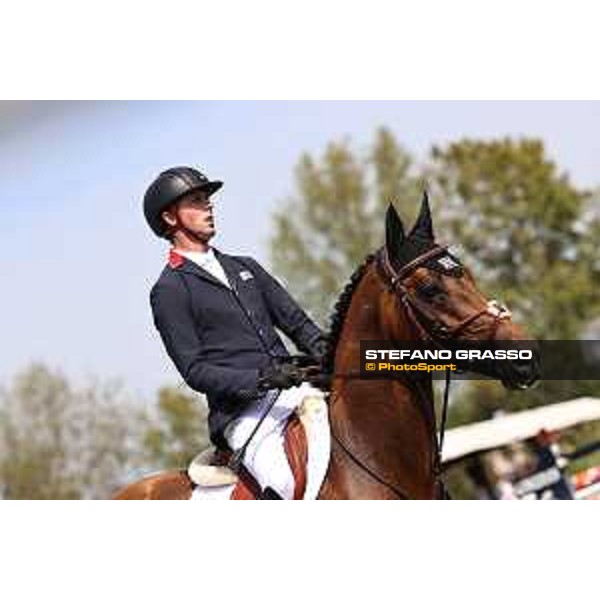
x: 340, y: 310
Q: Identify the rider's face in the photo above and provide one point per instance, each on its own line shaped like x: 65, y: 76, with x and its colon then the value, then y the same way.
x: 193, y: 212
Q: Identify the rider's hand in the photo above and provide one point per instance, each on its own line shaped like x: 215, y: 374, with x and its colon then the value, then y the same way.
x: 281, y: 376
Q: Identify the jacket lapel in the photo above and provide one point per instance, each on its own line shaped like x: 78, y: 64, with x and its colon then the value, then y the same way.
x: 188, y: 266
x: 231, y: 267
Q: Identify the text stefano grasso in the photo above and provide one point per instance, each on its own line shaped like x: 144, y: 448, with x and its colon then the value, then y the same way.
x: 444, y: 354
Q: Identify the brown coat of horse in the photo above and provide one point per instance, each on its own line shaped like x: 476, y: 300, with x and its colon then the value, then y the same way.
x: 384, y: 443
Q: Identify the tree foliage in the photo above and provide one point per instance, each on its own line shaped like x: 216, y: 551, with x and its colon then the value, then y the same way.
x: 336, y: 218
x: 524, y: 229
x: 59, y: 442
x: 527, y: 232
x: 177, y: 430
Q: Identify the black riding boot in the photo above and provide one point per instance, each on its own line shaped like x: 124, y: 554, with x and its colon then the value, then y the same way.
x: 270, y: 494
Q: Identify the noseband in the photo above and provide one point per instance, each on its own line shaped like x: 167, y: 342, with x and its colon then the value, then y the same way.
x: 394, y: 279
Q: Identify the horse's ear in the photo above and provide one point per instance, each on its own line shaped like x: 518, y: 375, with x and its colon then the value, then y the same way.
x: 394, y: 230
x: 423, y: 229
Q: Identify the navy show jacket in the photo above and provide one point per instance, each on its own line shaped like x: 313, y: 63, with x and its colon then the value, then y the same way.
x: 219, y: 338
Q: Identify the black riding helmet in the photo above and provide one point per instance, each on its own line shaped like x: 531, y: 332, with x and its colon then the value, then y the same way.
x: 170, y: 186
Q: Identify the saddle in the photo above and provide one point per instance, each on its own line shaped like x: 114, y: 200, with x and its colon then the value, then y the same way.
x: 215, y: 480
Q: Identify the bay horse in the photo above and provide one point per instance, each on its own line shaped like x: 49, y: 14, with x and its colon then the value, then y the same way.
x: 384, y: 442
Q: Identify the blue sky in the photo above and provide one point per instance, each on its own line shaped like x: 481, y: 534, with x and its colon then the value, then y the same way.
x: 78, y: 261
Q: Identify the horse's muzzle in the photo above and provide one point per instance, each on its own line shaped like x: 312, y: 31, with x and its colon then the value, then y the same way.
x: 520, y: 374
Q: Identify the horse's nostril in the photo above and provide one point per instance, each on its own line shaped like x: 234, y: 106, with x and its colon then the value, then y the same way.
x: 526, y: 371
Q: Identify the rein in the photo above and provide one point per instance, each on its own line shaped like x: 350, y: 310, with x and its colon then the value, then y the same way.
x: 368, y: 469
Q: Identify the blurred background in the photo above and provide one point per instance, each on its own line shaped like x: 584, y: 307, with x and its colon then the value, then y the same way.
x: 88, y: 398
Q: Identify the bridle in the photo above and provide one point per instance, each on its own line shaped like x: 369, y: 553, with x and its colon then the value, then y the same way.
x: 435, y: 332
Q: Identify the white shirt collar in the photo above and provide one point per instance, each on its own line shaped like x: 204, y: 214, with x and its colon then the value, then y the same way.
x: 208, y: 261
x: 200, y: 258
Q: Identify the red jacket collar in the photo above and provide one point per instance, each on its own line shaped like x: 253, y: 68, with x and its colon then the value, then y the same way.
x: 175, y: 259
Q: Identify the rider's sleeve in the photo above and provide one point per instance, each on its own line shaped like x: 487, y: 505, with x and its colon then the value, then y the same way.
x: 175, y: 323
x: 285, y: 312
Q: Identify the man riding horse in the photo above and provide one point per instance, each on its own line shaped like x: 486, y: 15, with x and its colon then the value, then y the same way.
x: 217, y: 316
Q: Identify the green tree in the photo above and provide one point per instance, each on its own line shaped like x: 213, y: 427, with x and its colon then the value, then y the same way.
x: 525, y: 229
x: 336, y: 218
x: 177, y: 430
x: 60, y: 442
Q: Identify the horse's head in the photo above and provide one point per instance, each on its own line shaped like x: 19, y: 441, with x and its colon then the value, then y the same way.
x: 440, y: 297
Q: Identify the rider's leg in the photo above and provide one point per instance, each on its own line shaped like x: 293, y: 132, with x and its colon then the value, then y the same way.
x: 265, y: 455
x: 269, y: 465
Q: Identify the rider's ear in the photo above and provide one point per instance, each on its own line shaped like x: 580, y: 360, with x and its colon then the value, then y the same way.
x: 423, y: 229
x: 394, y: 230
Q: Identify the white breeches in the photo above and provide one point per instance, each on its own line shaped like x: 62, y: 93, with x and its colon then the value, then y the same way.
x: 265, y: 456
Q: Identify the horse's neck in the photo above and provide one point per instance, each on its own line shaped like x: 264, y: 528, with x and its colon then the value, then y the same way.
x: 381, y: 420
x: 372, y: 315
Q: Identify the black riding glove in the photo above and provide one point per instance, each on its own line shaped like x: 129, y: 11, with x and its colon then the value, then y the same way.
x: 281, y: 376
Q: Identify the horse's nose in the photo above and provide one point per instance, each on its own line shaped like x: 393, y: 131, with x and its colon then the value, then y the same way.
x: 524, y: 372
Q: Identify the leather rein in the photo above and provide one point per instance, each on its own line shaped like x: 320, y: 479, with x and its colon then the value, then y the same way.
x: 437, y: 332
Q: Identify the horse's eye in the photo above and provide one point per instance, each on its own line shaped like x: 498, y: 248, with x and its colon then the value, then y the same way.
x: 429, y: 290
